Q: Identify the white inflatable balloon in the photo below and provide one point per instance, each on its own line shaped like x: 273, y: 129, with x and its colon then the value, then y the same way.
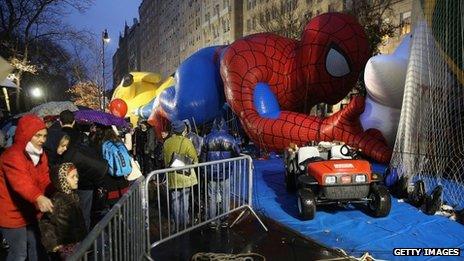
x: 381, y: 117
x: 385, y: 77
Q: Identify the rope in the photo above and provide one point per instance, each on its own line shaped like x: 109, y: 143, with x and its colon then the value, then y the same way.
x: 202, y: 256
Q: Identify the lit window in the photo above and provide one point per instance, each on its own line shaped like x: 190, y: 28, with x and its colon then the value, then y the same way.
x: 405, y: 23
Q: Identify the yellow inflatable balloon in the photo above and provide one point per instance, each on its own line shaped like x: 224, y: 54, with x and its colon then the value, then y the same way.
x: 170, y: 81
x: 139, y: 88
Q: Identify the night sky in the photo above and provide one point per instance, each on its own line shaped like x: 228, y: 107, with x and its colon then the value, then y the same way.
x: 106, y: 14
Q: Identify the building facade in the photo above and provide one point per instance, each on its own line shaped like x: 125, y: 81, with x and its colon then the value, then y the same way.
x: 270, y: 15
x: 119, y: 62
x: 128, y: 56
x: 221, y: 22
x: 170, y: 31
x: 133, y: 47
x: 169, y: 21
x: 190, y: 30
x: 148, y: 35
x: 401, y: 16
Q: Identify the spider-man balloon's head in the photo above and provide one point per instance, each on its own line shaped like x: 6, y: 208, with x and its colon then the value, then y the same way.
x: 332, y: 52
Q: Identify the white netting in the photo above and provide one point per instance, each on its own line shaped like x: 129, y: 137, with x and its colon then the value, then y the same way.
x: 430, y: 140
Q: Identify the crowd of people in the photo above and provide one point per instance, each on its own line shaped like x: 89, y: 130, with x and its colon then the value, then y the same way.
x: 56, y: 181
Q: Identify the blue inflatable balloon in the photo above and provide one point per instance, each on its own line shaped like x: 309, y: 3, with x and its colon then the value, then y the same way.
x: 145, y: 110
x: 265, y: 102
x: 198, y: 93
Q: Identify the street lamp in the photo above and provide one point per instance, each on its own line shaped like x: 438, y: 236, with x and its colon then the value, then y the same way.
x: 105, y: 40
x: 36, y: 92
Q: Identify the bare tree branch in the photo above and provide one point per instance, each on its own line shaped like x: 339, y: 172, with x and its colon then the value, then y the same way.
x: 371, y: 15
x: 281, y: 18
x: 28, y: 26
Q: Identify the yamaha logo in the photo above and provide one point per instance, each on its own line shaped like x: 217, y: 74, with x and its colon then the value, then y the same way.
x: 344, y: 166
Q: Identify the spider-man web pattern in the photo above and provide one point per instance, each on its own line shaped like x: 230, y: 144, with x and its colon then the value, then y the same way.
x: 301, y: 74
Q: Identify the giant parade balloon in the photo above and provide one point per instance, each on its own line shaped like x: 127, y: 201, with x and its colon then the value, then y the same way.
x: 118, y: 108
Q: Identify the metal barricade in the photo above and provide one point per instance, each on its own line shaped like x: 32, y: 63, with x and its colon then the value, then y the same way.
x: 180, y: 202
x: 221, y: 188
x: 121, y: 234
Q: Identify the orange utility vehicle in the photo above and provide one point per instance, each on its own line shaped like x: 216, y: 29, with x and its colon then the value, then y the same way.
x: 338, y: 178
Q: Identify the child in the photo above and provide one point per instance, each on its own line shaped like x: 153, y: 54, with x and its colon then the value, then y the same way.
x: 56, y: 145
x: 64, y: 227
x: 114, y: 185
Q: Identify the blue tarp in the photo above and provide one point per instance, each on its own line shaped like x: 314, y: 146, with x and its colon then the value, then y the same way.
x: 353, y: 229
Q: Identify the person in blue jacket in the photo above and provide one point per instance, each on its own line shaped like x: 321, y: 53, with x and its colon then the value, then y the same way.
x: 219, y: 144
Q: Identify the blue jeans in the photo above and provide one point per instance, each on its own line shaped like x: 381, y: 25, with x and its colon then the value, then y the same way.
x: 180, y: 206
x: 85, y: 201
x: 218, y: 197
x: 24, y: 243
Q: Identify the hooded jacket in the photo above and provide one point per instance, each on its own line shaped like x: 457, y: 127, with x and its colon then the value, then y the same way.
x: 51, y: 146
x: 182, y: 145
x: 219, y: 145
x: 78, y: 139
x: 21, y: 183
x: 66, y: 224
x: 91, y: 169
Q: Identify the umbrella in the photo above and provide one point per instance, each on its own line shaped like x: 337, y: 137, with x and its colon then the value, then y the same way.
x: 103, y: 118
x: 8, y: 83
x: 50, y: 109
x: 5, y: 68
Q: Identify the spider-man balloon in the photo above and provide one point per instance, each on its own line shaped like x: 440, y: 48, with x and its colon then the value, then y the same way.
x: 269, y: 80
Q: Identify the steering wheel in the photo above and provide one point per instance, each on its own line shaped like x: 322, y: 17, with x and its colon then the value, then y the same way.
x: 348, y: 152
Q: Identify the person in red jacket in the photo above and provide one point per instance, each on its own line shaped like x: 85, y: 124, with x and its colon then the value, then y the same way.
x: 24, y: 182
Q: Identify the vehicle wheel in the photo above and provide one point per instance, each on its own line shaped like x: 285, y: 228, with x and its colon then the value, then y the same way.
x: 306, y: 203
x: 379, y: 201
x: 290, y: 182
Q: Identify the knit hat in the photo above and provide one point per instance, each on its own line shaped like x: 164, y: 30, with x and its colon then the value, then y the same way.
x: 178, y: 127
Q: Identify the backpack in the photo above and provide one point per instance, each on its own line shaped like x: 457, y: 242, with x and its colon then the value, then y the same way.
x: 118, y: 158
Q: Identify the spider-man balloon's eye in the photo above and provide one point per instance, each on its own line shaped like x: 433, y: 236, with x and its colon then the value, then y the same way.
x: 336, y: 63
